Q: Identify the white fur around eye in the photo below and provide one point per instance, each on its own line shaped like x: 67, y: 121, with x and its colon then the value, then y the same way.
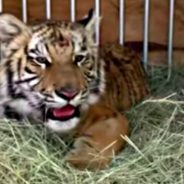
x: 43, y: 66
x: 27, y: 75
x: 34, y: 82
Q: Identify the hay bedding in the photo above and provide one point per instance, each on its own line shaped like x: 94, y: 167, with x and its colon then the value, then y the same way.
x: 154, y: 153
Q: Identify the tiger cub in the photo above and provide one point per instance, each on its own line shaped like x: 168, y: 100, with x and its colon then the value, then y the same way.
x: 54, y: 73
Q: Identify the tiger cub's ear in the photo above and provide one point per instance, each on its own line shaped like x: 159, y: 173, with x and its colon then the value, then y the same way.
x: 10, y: 26
x: 90, y: 21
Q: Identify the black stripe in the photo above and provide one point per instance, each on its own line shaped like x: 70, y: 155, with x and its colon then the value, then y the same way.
x: 28, y: 70
x: 10, y: 87
x: 19, y: 96
x: 11, y: 114
x: 19, y: 66
x: 26, y: 50
x: 30, y: 58
x: 9, y: 75
x: 26, y: 80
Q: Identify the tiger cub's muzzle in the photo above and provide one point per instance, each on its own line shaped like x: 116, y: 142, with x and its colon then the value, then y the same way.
x: 68, y: 103
x: 67, y: 93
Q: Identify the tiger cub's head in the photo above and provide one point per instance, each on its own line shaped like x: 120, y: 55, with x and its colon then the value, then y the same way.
x: 56, y: 64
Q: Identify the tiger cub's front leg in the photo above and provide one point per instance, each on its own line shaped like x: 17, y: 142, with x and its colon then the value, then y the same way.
x: 98, y: 138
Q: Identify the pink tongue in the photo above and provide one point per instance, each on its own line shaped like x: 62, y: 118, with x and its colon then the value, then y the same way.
x: 65, y: 111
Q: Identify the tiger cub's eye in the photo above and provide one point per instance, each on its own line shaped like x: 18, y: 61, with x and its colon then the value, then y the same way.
x: 78, y: 58
x: 43, y: 60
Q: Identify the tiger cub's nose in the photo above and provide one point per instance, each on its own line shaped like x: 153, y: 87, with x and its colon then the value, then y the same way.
x: 67, y: 93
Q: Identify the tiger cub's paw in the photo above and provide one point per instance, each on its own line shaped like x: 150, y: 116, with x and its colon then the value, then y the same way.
x: 85, y: 156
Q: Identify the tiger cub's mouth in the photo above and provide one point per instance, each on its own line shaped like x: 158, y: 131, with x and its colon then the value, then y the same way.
x: 64, y: 113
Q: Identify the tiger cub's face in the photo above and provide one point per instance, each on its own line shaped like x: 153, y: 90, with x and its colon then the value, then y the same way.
x: 56, y: 64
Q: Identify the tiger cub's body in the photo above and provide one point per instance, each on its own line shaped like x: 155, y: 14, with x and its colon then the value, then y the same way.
x: 54, y: 73
x: 125, y: 77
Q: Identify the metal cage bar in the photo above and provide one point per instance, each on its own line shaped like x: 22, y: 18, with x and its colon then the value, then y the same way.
x: 121, y: 24
x: 1, y: 9
x: 170, y: 37
x: 24, y: 10
x: 72, y: 10
x: 146, y: 30
x: 121, y: 21
x: 97, y: 11
x: 48, y: 9
x: 1, y: 6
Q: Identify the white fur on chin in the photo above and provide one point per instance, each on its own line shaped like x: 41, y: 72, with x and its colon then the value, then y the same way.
x: 62, y: 126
